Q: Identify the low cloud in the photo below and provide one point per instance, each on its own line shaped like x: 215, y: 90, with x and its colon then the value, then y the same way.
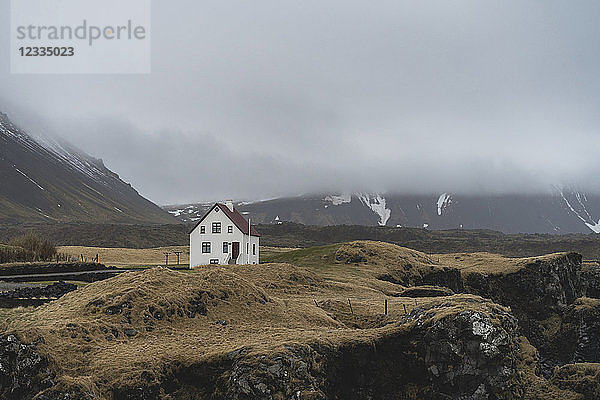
x: 257, y: 100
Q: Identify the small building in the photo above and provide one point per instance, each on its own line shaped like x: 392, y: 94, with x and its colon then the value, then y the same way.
x: 223, y: 236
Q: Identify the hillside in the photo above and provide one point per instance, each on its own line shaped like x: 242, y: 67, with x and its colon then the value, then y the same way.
x: 51, y: 181
x: 560, y: 211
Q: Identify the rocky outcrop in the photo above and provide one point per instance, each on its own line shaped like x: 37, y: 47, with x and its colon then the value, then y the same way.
x: 23, y: 372
x: 54, y: 291
x: 539, y: 294
x: 590, y: 277
x: 579, y: 336
x: 537, y: 289
x: 462, y: 347
x: 438, y: 351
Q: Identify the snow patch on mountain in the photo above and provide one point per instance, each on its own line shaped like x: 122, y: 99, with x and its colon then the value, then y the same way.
x: 188, y: 212
x: 25, y: 175
x: 336, y: 200
x: 62, y: 152
x: 443, y: 202
x: 377, y: 204
x: 74, y: 159
x: 175, y: 213
x: 595, y: 227
x: 583, y: 212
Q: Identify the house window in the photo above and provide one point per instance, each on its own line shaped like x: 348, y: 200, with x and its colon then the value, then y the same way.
x: 253, y: 249
x: 247, y: 248
x: 230, y: 229
x: 225, y: 247
x: 202, y: 229
x: 216, y: 227
x: 214, y: 261
x: 205, y: 247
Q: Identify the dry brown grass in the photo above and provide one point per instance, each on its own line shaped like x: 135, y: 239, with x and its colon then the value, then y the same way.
x: 266, y: 306
x: 123, y: 257
x: 361, y: 263
x: 487, y: 262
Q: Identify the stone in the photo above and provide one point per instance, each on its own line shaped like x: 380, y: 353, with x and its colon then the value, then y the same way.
x: 130, y: 332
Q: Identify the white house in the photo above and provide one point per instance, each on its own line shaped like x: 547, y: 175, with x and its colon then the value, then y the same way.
x: 223, y: 236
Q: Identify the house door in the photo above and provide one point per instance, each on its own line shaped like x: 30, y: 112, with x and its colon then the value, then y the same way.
x: 235, y: 250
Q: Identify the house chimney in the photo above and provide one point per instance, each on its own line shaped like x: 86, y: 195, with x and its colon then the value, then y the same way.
x: 229, y: 204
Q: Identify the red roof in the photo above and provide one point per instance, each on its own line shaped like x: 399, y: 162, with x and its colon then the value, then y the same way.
x: 234, y: 216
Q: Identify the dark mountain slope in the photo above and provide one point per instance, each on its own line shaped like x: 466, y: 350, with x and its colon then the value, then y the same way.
x: 561, y: 211
x: 48, y: 180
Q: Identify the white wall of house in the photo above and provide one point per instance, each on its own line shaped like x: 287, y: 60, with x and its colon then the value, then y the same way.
x: 216, y: 240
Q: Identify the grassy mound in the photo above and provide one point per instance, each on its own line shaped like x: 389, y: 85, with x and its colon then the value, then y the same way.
x: 375, y: 264
x: 137, y: 322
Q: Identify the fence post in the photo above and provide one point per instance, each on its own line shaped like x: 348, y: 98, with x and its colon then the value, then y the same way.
x: 385, y: 306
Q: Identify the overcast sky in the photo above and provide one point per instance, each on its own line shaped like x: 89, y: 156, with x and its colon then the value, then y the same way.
x: 258, y: 99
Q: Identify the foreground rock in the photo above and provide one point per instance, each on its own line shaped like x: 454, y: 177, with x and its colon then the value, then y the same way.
x: 435, y: 352
x: 578, y: 338
x: 23, y: 371
x: 590, y: 276
x: 538, y: 290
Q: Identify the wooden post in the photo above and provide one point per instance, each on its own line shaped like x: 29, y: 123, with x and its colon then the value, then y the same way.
x: 350, y: 304
x: 385, y: 306
x: 316, y: 304
x: 178, y: 253
x: 166, y: 258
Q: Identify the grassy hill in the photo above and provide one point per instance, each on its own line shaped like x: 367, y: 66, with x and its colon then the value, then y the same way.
x: 310, y: 323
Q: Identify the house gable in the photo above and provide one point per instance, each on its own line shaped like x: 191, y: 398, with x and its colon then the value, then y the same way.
x: 234, y: 216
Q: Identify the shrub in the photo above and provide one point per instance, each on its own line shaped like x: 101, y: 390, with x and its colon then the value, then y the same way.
x: 28, y: 247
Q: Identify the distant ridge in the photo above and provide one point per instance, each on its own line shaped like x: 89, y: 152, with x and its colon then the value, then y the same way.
x: 46, y: 180
x: 561, y: 211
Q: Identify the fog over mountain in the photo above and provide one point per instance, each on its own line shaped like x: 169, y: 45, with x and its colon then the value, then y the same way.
x: 254, y: 100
